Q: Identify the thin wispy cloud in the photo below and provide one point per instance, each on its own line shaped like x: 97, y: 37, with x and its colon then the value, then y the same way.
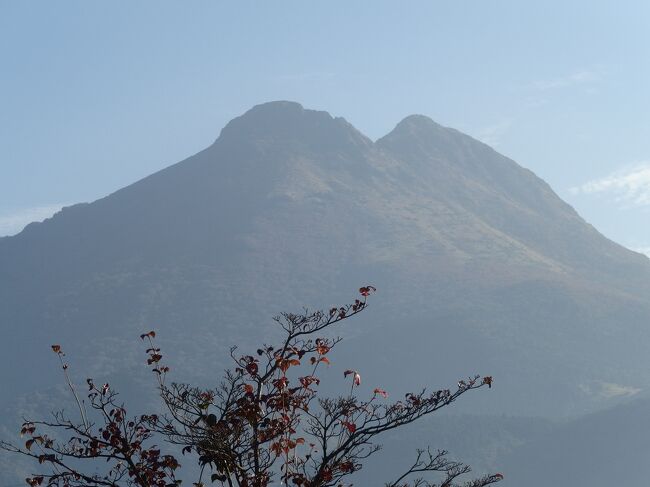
x: 642, y: 250
x: 580, y: 77
x: 492, y: 134
x: 13, y: 221
x: 640, y: 246
x: 539, y: 93
x: 629, y: 186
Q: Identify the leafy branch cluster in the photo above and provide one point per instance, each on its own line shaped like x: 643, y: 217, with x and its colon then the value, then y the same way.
x: 264, y: 423
x: 122, y: 443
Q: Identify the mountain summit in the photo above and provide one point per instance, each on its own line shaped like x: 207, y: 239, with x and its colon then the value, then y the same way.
x: 284, y: 122
x: 480, y: 266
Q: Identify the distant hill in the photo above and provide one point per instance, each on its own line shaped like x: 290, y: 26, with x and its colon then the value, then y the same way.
x: 480, y: 267
x: 607, y: 448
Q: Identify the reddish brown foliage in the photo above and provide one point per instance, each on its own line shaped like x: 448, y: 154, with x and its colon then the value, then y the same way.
x: 264, y: 422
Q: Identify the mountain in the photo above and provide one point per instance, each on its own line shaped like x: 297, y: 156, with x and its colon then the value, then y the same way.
x: 480, y: 266
x: 601, y: 449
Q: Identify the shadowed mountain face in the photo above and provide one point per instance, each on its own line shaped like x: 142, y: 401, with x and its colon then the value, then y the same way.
x: 601, y: 449
x: 480, y: 267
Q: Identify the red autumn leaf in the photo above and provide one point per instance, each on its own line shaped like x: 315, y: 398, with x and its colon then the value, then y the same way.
x: 248, y: 388
x: 488, y: 380
x: 321, y: 347
x: 154, y: 358
x: 381, y: 392
x: 350, y: 426
x: 276, y: 447
x: 252, y: 368
x: 356, y: 377
x: 366, y: 290
x: 327, y: 474
x: 56, y: 348
x: 281, y: 383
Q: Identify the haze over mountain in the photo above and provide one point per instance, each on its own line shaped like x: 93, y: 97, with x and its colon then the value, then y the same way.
x: 291, y: 207
x: 480, y: 266
x: 601, y: 449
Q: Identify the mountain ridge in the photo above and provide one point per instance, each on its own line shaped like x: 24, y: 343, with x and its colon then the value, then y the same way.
x: 267, y: 117
x: 470, y: 251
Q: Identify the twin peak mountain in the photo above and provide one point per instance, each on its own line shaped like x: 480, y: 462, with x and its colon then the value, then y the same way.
x: 292, y: 207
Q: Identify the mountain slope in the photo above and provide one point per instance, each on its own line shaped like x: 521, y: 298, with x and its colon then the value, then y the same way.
x: 601, y: 449
x: 480, y: 266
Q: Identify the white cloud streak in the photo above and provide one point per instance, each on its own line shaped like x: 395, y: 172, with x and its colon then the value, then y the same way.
x: 13, y: 221
x: 492, y: 134
x: 581, y: 77
x: 642, y: 250
x: 630, y: 186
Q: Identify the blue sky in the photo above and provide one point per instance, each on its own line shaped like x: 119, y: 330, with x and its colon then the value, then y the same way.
x: 95, y: 95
